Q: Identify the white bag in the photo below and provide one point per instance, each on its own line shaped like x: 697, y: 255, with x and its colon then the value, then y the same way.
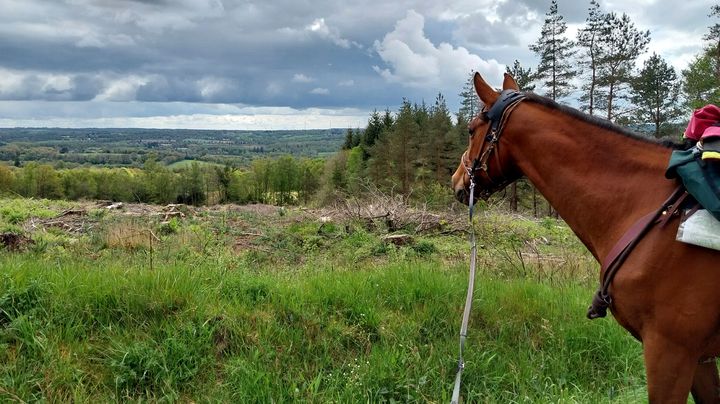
x: 701, y: 229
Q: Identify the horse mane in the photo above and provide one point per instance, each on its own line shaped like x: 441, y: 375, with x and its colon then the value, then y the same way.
x: 605, y: 124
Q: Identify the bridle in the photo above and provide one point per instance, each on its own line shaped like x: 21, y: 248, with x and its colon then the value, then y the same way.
x: 497, y: 116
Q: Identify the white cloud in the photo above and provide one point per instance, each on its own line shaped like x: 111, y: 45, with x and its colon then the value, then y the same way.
x: 346, y: 83
x: 301, y: 78
x: 98, y: 114
x: 413, y: 60
x: 22, y: 85
x: 122, y: 88
x: 320, y: 28
x: 210, y: 88
x: 320, y: 91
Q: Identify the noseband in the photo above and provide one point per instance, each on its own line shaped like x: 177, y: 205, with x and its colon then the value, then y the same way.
x: 497, y: 115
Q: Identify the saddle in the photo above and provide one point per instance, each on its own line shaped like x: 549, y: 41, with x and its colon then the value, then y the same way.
x: 699, y: 170
x: 700, y: 177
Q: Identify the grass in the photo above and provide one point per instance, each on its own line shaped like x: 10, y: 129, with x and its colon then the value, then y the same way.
x: 306, y: 313
x: 187, y: 163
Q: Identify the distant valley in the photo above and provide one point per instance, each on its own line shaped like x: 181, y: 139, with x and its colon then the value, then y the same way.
x: 129, y: 147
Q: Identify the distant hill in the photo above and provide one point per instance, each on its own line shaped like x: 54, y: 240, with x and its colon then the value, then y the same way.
x: 129, y: 147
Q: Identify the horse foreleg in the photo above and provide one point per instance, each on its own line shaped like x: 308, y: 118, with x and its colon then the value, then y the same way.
x: 706, y: 383
x: 670, y: 368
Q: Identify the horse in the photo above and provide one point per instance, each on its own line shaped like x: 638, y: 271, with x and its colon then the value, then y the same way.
x: 601, y: 178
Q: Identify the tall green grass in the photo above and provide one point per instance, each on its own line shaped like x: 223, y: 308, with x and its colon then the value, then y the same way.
x: 234, y: 306
x: 89, y: 331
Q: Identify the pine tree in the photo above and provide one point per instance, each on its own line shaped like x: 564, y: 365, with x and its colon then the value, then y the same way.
x: 355, y: 169
x: 656, y: 94
x: 422, y: 142
x: 700, y: 86
x: 588, y: 39
x: 402, y: 147
x: 621, y: 44
x: 555, y: 52
x: 523, y: 77
x: 701, y: 79
x: 470, y: 104
x: 379, y: 165
x: 348, y: 143
x: 714, y: 37
x: 441, y: 144
x: 372, y: 132
x: 387, y: 120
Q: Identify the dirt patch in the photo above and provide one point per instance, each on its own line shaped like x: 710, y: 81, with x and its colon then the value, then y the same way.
x: 256, y: 208
x: 72, y: 221
x: 15, y: 242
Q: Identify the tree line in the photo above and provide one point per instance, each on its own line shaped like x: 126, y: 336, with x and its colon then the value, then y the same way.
x: 412, y: 152
x: 284, y: 180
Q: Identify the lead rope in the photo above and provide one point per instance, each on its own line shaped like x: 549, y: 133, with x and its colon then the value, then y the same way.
x: 468, y: 299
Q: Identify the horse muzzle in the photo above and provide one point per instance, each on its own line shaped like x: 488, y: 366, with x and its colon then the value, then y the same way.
x: 462, y: 195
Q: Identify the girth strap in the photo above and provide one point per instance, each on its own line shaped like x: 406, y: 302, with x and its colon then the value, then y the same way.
x: 620, y: 251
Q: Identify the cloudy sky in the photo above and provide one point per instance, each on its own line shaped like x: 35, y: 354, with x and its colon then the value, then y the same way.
x: 277, y: 64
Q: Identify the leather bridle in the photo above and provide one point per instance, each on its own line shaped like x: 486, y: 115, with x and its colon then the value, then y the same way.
x: 497, y: 117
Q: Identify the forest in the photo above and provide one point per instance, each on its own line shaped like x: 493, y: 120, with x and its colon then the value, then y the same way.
x: 127, y: 147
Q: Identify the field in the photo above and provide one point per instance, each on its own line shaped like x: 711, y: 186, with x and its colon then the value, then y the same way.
x: 263, y: 304
x: 188, y: 163
x: 131, y: 147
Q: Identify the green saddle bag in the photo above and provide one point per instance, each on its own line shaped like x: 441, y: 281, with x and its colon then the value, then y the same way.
x: 700, y: 177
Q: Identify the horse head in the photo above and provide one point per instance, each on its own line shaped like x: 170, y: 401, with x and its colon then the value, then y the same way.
x: 486, y: 162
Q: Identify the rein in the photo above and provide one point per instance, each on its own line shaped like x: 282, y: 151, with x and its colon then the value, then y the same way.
x: 498, y: 115
x: 468, y: 298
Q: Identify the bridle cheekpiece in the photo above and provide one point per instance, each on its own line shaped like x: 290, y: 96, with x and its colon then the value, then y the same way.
x: 497, y: 116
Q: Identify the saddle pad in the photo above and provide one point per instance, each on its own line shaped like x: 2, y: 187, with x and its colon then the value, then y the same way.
x: 701, y: 229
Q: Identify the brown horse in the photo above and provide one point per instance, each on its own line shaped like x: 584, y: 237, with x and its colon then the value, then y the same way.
x: 602, y: 179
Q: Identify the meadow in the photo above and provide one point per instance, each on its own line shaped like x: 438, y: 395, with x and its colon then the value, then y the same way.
x: 264, y: 304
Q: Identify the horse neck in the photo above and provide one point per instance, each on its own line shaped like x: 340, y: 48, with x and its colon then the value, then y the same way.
x: 599, y: 181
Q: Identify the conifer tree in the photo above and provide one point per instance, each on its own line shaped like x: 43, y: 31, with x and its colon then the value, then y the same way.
x: 555, y: 52
x: 621, y: 44
x: 387, y: 120
x: 348, y: 143
x: 441, y: 145
x: 701, y: 79
x: 470, y: 104
x: 714, y: 37
x: 523, y: 77
x: 402, y: 147
x: 372, y: 131
x: 379, y: 167
x: 588, y: 39
x: 700, y: 86
x: 656, y: 94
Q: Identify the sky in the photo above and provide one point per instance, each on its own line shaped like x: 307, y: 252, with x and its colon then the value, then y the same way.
x: 278, y: 64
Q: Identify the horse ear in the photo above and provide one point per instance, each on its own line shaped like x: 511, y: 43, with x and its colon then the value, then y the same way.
x: 509, y: 83
x: 484, y: 91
